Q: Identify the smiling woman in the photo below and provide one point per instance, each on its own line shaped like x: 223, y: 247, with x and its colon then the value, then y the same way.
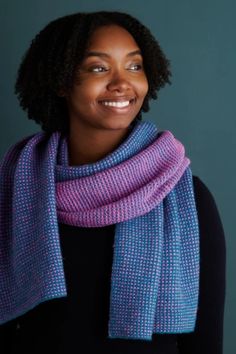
x: 107, y: 240
x: 107, y: 95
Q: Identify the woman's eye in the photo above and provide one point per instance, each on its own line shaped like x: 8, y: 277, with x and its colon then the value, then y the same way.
x: 98, y: 69
x: 136, y: 67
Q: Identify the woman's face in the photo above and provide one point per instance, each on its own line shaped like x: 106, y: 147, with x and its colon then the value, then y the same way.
x: 110, y: 83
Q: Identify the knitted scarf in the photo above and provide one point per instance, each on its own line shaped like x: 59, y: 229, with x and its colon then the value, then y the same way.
x: 144, y: 187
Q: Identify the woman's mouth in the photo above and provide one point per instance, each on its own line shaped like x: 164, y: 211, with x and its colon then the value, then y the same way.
x: 118, y: 104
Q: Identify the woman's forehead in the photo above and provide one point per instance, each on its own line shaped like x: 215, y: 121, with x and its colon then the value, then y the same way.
x: 106, y: 40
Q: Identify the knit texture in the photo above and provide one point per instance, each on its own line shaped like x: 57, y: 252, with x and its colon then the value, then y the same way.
x: 144, y: 187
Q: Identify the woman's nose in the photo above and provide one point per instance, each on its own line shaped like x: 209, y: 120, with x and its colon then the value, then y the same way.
x: 118, y: 82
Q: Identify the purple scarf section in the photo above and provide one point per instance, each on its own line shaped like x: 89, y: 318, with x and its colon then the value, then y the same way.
x: 144, y: 187
x: 130, y: 189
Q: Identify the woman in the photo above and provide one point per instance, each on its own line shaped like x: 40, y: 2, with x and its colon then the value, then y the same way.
x: 108, y: 242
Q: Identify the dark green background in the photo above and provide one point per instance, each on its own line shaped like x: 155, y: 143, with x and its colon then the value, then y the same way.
x: 199, y: 108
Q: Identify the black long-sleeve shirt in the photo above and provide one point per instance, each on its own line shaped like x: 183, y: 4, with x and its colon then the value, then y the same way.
x: 78, y: 323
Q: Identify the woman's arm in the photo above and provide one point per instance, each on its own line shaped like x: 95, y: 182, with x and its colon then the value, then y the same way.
x: 208, y: 335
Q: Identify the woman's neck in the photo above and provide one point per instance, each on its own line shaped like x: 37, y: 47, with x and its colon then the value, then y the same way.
x: 88, y: 146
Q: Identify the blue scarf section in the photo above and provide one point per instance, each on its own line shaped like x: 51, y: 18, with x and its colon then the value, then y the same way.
x: 155, y: 271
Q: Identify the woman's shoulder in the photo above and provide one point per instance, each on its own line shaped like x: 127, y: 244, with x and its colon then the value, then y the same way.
x: 14, y: 150
x: 199, y: 185
x: 211, y: 227
x: 203, y: 195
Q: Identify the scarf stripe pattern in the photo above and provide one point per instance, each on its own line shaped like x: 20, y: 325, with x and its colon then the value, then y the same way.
x: 144, y: 187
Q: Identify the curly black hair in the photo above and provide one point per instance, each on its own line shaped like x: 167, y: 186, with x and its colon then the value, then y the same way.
x: 50, y: 63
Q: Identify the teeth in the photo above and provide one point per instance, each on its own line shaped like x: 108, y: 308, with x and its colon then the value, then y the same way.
x: 116, y: 104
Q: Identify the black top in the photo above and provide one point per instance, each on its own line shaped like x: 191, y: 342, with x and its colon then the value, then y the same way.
x: 78, y: 323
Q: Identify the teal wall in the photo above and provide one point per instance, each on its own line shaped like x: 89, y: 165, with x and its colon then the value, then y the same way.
x: 199, y: 108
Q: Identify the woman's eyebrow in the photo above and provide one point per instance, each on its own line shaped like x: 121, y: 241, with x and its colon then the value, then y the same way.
x: 106, y: 55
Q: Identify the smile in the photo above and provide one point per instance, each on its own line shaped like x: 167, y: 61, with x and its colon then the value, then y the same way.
x: 117, y: 104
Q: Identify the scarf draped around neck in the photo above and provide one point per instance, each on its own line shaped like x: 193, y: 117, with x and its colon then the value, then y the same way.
x: 144, y: 187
